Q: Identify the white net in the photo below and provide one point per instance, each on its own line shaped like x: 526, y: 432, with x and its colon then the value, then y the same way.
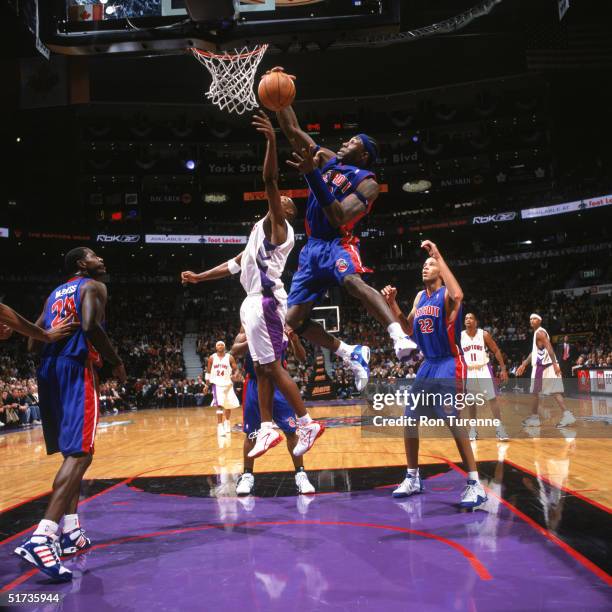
x: 233, y: 77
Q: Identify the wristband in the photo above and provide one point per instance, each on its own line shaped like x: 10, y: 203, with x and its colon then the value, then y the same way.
x: 207, y: 376
x: 318, y: 187
x: 233, y: 266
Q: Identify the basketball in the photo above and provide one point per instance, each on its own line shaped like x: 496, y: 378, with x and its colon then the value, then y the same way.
x: 276, y: 90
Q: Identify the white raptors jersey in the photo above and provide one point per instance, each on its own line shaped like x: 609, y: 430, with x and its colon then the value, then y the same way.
x: 539, y: 356
x: 221, y: 371
x: 263, y: 263
x: 474, y: 349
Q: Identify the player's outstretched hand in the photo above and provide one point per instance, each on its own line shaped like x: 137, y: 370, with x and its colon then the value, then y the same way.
x: 5, y: 331
x: 262, y: 124
x: 520, y: 370
x: 119, y: 372
x: 306, y: 162
x: 503, y: 376
x: 189, y: 277
x: 431, y: 248
x: 390, y: 295
x: 67, y: 328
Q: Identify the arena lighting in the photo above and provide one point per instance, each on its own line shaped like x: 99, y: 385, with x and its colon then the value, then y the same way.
x: 190, y: 164
x: 419, y: 186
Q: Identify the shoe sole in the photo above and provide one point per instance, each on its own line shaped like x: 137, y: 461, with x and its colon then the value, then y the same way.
x: 26, y: 556
x: 476, y: 504
x: 244, y: 494
x: 400, y: 495
x: 272, y: 445
x: 312, y: 444
x: 405, y: 352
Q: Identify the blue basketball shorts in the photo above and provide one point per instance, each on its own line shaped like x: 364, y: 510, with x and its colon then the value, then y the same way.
x: 324, y: 264
x: 282, y: 412
x: 69, y: 405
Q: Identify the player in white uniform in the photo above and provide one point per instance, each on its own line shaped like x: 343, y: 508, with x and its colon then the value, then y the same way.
x: 221, y: 371
x: 545, y: 375
x: 475, y: 342
x: 263, y: 311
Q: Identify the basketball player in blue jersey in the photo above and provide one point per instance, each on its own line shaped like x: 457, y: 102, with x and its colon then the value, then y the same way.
x: 282, y: 414
x: 69, y: 406
x: 435, y: 324
x: 343, y: 189
x: 11, y: 321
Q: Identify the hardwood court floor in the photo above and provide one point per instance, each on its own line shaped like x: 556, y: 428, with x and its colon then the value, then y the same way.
x: 184, y: 442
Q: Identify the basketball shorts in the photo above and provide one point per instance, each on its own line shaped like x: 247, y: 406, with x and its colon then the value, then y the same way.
x: 69, y: 405
x: 324, y: 264
x: 480, y: 380
x: 282, y: 412
x: 224, y: 397
x: 263, y: 319
x: 438, y: 385
x: 544, y: 381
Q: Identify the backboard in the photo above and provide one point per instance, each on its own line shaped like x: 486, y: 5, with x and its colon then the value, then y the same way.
x: 164, y: 26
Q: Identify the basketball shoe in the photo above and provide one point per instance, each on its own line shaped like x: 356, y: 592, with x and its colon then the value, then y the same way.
x: 403, y: 346
x: 73, y: 542
x: 409, y: 486
x: 307, y: 436
x: 567, y: 419
x: 473, y: 434
x: 473, y: 495
x: 532, y: 421
x: 304, y: 486
x: 245, y: 484
x: 265, y: 439
x: 358, y: 362
x: 41, y: 551
x: 501, y: 434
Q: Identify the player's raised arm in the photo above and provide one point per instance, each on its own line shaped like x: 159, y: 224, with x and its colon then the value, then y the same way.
x: 12, y: 320
x: 454, y: 293
x: 276, y: 212
x: 407, y: 322
x: 338, y: 213
x: 227, y: 268
x: 93, y: 305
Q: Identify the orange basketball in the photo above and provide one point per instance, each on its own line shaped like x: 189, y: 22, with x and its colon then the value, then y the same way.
x: 276, y: 90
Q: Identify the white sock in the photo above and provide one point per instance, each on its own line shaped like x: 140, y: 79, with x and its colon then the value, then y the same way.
x: 473, y: 476
x: 46, y: 528
x: 267, y: 425
x: 71, y: 522
x: 344, y: 350
x: 412, y: 472
x: 395, y: 330
x: 305, y: 420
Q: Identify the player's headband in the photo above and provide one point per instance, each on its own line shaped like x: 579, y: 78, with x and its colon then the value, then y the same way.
x: 370, y: 147
x: 220, y: 342
x: 533, y: 315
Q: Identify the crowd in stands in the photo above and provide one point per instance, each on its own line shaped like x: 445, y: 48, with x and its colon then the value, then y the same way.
x: 148, y: 330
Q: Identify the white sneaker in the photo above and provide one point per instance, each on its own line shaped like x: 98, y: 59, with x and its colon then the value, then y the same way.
x: 265, y: 439
x: 567, y: 419
x: 501, y: 434
x: 473, y: 434
x: 358, y: 362
x: 227, y: 426
x: 245, y: 484
x: 532, y: 421
x: 403, y: 346
x: 473, y: 495
x: 307, y: 436
x: 304, y: 486
x: 409, y: 486
x: 220, y: 430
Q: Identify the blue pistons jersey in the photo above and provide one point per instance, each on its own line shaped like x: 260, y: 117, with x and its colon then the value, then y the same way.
x: 64, y: 304
x: 342, y: 180
x: 436, y: 337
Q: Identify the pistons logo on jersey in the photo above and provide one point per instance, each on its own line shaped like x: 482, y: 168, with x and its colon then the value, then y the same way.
x: 341, y: 265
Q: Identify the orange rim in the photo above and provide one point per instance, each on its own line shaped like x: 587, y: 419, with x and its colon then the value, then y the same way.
x: 226, y: 55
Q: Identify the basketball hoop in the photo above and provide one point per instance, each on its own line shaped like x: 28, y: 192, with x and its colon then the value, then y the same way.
x: 233, y: 77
